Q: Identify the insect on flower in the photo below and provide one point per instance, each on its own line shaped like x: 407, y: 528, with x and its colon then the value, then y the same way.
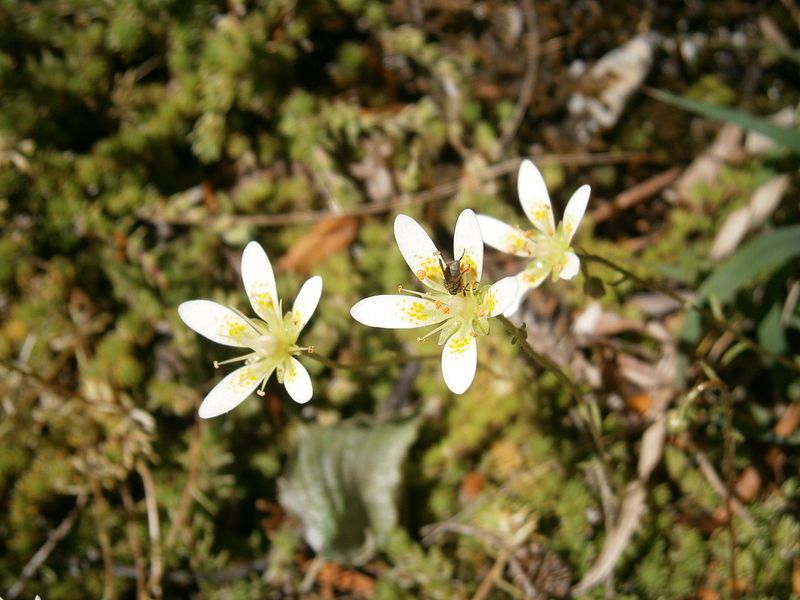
x: 453, y: 273
x: 548, y: 246
x: 455, y: 301
x: 271, y: 338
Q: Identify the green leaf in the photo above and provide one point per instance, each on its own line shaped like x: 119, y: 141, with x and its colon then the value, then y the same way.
x: 756, y: 259
x: 343, y: 486
x: 785, y: 136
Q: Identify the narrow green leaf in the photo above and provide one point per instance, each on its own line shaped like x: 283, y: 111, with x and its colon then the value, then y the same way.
x: 343, y: 484
x: 785, y: 136
x: 756, y: 259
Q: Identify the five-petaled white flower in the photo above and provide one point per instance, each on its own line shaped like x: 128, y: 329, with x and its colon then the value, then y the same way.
x: 272, y: 338
x: 549, y: 247
x: 457, y: 302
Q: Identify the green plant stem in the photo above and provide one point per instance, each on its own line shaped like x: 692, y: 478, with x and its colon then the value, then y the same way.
x: 689, y: 305
x: 714, y: 383
x: 520, y: 335
x: 374, y: 364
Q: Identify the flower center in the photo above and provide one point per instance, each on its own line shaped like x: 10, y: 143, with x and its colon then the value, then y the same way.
x: 266, y: 345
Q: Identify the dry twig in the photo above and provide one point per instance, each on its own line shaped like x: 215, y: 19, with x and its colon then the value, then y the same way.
x: 37, y: 560
x: 435, y: 193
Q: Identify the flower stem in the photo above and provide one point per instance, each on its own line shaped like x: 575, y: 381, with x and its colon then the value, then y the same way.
x: 521, y: 336
x: 688, y: 304
x: 374, y: 364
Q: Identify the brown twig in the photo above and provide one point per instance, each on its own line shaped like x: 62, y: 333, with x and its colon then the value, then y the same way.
x: 529, y: 79
x: 41, y: 555
x: 635, y: 194
x: 491, y: 577
x: 133, y: 542
x: 181, y: 515
x: 101, y: 516
x: 436, y: 193
x: 520, y: 335
x: 429, y: 532
x: 153, y: 529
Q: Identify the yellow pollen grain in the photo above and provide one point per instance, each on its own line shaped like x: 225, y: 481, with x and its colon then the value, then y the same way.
x: 416, y: 312
x: 235, y: 330
x: 458, y: 345
x: 263, y: 299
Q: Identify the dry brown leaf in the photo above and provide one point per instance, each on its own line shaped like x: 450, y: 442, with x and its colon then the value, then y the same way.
x: 708, y: 594
x: 789, y: 421
x: 640, y: 403
x: 796, y: 576
x: 471, y: 486
x: 748, y: 484
x: 325, y: 238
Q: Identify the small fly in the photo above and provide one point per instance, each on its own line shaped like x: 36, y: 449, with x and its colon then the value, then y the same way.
x: 453, y: 272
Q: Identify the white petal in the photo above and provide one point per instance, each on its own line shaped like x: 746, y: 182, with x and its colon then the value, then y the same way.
x: 306, y: 302
x: 528, y: 279
x: 534, y: 198
x: 259, y: 282
x: 468, y: 241
x: 503, y: 237
x: 576, y: 207
x: 234, y: 389
x: 501, y: 295
x: 419, y: 251
x: 216, y: 322
x: 397, y: 312
x: 459, y: 361
x: 571, y: 267
x: 297, y: 381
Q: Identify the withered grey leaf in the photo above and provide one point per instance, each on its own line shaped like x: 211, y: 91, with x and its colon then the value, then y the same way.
x: 343, y: 484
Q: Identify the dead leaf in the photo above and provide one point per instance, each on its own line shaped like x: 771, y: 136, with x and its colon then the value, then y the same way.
x: 789, y: 421
x: 758, y: 143
x: 763, y: 203
x: 471, y: 486
x: 325, y: 238
x: 616, y: 76
x: 727, y: 147
x: 640, y: 403
x: 748, y: 484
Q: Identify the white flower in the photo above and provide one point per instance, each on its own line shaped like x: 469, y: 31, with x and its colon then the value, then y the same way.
x: 272, y: 337
x: 549, y: 247
x: 462, y: 312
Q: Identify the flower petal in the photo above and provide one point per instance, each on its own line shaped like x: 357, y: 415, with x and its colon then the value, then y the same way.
x: 528, y: 279
x: 397, y: 312
x: 234, y: 389
x: 217, y: 322
x: 534, y: 198
x: 576, y: 207
x: 468, y: 241
x: 419, y: 252
x: 259, y: 282
x: 500, y: 295
x: 503, y: 237
x: 571, y: 267
x: 306, y: 302
x: 297, y: 381
x: 459, y: 361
